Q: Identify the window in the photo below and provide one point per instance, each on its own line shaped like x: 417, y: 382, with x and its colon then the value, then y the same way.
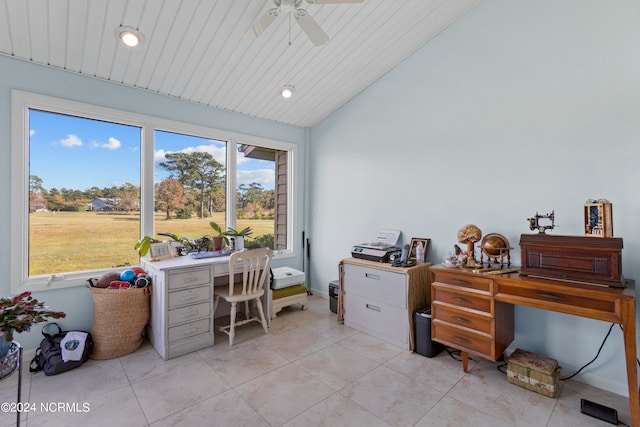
x: 84, y: 195
x: 88, y: 182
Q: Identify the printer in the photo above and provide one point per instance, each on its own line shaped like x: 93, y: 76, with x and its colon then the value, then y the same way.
x: 382, y: 249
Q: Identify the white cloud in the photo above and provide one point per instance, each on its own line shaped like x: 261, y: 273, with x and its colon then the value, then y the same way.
x: 218, y: 153
x: 113, y: 144
x: 71, y: 141
x: 266, y: 177
x: 32, y: 132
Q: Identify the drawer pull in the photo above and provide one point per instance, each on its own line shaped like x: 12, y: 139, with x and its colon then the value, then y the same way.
x: 373, y: 307
x: 462, y: 340
x: 190, y: 314
x: 189, y: 331
x: 460, y: 319
x: 190, y: 297
x: 461, y: 300
x: 551, y: 296
x: 371, y: 276
x: 460, y: 282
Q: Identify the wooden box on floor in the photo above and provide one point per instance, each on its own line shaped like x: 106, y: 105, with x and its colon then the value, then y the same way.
x: 533, y: 372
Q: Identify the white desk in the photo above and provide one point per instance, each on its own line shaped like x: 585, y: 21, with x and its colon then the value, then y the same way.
x: 182, y: 318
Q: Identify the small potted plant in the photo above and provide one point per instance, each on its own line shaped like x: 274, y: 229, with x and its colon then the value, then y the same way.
x: 239, y: 236
x: 220, y: 240
x: 18, y: 314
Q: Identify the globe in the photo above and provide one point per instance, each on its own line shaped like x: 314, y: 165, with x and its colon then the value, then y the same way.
x: 494, y: 244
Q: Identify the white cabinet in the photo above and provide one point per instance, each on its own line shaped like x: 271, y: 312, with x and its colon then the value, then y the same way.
x: 181, y: 309
x: 380, y: 300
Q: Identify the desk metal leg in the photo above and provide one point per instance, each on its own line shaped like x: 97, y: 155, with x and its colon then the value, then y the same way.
x: 629, y: 333
x: 19, y: 385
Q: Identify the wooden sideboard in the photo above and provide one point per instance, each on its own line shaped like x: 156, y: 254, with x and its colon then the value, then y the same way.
x: 474, y: 312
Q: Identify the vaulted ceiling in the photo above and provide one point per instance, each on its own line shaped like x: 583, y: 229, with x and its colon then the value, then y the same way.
x: 196, y: 50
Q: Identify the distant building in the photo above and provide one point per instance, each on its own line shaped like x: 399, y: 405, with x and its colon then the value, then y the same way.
x: 103, y: 204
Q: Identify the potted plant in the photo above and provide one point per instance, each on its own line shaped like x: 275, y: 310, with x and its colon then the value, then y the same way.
x: 142, y: 245
x: 18, y: 314
x: 220, y: 238
x: 238, y: 236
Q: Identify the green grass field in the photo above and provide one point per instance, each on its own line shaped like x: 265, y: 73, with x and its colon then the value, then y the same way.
x: 79, y: 241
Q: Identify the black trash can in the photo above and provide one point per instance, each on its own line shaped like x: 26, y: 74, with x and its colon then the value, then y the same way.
x: 333, y: 295
x: 424, y: 345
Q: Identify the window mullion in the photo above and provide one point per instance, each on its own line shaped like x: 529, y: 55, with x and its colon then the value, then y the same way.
x: 232, y: 158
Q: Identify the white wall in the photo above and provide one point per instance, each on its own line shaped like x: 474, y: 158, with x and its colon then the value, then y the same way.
x: 520, y: 106
x: 77, y: 302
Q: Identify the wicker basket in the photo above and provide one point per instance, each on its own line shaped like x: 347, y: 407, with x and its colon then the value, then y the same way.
x: 533, y: 372
x: 119, y: 319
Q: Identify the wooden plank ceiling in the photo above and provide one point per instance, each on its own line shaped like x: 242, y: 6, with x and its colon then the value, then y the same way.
x: 195, y: 49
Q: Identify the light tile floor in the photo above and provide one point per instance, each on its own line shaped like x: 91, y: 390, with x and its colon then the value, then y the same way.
x: 308, y: 371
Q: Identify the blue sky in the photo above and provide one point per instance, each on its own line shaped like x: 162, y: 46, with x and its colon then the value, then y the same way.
x: 77, y: 153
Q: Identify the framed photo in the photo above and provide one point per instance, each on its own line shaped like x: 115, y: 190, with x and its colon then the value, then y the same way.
x: 160, y: 251
x: 414, y: 245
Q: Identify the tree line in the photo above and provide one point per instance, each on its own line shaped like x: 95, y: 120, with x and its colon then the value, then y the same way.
x: 196, y: 185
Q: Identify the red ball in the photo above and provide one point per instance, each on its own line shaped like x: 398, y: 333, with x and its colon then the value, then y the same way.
x: 138, y: 270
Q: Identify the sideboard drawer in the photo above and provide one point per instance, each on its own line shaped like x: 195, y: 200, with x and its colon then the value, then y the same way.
x: 469, y: 282
x: 189, y: 277
x: 187, y: 330
x: 463, y: 339
x: 462, y: 318
x: 380, y: 285
x: 462, y: 299
x: 561, y: 296
x: 191, y: 312
x: 189, y: 296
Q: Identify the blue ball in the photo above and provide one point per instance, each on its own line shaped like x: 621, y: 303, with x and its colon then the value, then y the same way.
x: 128, y: 276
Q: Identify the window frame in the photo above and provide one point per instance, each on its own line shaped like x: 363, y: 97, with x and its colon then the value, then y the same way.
x: 22, y: 102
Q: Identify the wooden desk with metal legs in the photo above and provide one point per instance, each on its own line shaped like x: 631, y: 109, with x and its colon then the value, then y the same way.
x: 473, y: 312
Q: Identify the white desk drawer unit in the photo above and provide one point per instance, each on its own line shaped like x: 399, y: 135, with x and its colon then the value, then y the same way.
x: 380, y: 300
x: 182, y: 309
x: 182, y: 314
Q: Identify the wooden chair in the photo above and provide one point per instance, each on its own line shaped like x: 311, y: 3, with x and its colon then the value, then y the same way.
x: 255, y: 272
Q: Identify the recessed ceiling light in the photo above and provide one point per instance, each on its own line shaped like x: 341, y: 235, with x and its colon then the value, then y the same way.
x: 129, y: 36
x: 287, y: 91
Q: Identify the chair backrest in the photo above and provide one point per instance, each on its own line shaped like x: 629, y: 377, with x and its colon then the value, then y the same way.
x: 255, y: 269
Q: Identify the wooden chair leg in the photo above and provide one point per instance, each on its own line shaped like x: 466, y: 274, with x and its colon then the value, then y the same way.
x: 232, y: 325
x: 246, y: 310
x: 262, y: 319
x: 216, y: 300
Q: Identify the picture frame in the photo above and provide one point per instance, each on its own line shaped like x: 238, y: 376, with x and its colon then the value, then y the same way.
x: 160, y: 251
x: 414, y: 245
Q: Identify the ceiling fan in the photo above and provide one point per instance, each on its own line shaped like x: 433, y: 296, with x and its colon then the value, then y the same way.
x: 292, y: 7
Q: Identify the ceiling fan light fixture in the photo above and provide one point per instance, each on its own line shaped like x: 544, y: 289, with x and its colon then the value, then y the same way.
x: 129, y: 36
x: 287, y: 91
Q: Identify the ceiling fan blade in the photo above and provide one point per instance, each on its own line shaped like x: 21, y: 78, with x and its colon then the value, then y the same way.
x: 333, y: 1
x: 311, y: 28
x: 261, y: 24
